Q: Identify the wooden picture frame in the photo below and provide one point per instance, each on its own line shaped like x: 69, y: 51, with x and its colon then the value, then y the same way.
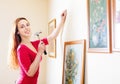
x: 74, y: 62
x: 52, y: 44
x: 115, y: 25
x: 99, y: 28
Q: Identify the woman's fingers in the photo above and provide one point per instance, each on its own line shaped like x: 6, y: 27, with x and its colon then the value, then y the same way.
x: 41, y: 47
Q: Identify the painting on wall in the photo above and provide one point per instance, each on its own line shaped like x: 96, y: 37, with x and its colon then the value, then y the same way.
x: 116, y: 24
x: 73, y: 63
x: 99, y: 31
x: 52, y: 44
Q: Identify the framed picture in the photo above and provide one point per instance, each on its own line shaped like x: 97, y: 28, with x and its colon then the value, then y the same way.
x: 116, y: 24
x: 52, y: 44
x: 74, y: 62
x: 99, y: 32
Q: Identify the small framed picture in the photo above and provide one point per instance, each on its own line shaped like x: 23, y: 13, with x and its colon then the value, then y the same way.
x: 74, y: 62
x: 99, y: 32
x: 115, y: 25
x: 52, y: 44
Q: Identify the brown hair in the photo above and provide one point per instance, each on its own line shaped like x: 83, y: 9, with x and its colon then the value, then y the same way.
x: 15, y: 41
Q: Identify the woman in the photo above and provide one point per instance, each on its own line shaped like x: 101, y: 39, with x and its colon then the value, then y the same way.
x: 27, y: 54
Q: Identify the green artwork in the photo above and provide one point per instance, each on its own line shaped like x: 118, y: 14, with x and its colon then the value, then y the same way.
x: 98, y: 24
x: 73, y: 63
x: 71, y: 67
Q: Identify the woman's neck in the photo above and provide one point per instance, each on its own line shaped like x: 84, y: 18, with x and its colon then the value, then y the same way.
x: 25, y: 40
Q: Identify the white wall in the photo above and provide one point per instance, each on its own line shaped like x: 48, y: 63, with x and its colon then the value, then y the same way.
x: 36, y: 12
x: 99, y: 68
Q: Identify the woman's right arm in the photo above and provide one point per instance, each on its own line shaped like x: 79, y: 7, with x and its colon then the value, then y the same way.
x: 25, y: 61
x: 34, y: 66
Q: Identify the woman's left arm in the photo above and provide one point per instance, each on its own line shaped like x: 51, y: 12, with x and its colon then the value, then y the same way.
x: 55, y: 33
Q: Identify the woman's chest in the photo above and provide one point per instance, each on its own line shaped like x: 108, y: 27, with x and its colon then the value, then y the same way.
x: 32, y: 55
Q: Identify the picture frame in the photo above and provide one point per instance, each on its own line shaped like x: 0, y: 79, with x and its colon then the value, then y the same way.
x: 99, y: 28
x: 52, y: 44
x: 115, y: 25
x: 74, y: 62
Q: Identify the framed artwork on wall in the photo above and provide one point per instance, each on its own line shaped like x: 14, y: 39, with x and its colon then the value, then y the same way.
x: 52, y: 44
x: 74, y: 62
x: 99, y: 29
x: 115, y: 25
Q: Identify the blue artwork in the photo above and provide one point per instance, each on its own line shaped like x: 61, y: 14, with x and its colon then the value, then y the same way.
x: 98, y: 24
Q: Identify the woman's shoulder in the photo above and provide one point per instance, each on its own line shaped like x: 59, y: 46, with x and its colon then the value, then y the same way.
x: 21, y: 47
x: 35, y: 41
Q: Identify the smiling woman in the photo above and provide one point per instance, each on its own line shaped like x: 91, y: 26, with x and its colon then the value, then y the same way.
x: 28, y: 54
x: 36, y: 12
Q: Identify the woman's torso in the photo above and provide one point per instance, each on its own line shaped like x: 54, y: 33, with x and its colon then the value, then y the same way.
x: 29, y: 56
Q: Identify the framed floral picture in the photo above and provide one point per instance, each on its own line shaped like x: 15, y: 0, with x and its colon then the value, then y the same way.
x: 74, y: 62
x: 115, y: 25
x: 99, y: 28
x: 52, y: 44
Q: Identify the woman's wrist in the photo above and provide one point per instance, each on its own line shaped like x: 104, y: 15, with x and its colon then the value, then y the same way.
x: 39, y: 54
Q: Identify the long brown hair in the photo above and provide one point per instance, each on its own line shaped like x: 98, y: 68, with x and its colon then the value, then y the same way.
x: 15, y: 41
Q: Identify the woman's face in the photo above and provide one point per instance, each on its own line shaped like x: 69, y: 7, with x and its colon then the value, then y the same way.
x: 24, y: 28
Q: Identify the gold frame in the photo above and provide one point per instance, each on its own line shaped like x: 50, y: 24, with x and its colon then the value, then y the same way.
x: 52, y: 45
x: 74, y: 61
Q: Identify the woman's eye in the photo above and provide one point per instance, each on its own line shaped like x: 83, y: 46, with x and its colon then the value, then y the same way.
x: 28, y: 24
x: 22, y: 26
x: 25, y: 25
